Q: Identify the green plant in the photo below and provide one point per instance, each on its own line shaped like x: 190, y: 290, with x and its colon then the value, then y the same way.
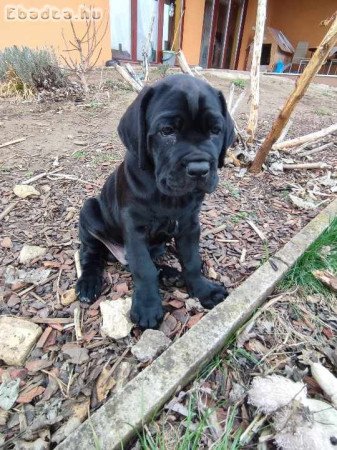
x: 79, y: 154
x: 240, y: 83
x: 321, y: 255
x: 24, y: 71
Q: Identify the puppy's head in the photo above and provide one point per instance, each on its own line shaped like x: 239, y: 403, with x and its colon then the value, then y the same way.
x: 180, y: 129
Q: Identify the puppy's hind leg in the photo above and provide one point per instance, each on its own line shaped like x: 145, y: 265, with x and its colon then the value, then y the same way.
x: 93, y: 254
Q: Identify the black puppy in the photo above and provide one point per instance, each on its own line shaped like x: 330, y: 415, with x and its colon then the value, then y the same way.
x: 176, y: 133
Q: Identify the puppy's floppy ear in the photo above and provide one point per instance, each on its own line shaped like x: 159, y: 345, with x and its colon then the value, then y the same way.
x: 132, y: 127
x: 229, y: 137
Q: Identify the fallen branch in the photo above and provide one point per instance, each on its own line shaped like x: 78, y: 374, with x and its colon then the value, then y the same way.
x: 77, y: 322
x: 7, y: 210
x: 306, y: 139
x: 78, y: 264
x: 257, y: 230
x: 305, y: 166
x: 16, y: 141
x: 63, y: 176
x: 183, y: 63
x: 25, y: 291
x: 302, y: 84
x: 327, y: 278
x: 300, y: 152
x: 40, y: 175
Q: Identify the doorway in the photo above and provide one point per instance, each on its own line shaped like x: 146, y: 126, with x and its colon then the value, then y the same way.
x: 222, y: 32
x: 131, y: 22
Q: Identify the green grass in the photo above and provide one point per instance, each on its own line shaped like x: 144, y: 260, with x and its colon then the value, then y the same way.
x: 240, y: 83
x: 79, y: 154
x: 321, y: 255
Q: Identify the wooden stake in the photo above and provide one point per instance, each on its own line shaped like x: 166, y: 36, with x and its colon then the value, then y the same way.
x: 183, y: 63
x: 125, y: 74
x: 255, y: 69
x: 303, y: 82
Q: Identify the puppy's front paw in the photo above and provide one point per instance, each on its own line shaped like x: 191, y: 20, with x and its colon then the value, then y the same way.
x: 89, y: 287
x: 210, y: 294
x: 146, y: 315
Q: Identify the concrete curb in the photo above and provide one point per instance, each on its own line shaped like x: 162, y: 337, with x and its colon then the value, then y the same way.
x: 121, y: 416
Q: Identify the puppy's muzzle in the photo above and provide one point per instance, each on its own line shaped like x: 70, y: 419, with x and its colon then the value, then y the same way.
x: 198, y: 169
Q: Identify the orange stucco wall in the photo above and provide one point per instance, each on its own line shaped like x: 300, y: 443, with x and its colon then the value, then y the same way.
x: 46, y: 31
x: 299, y: 20
x: 192, y: 31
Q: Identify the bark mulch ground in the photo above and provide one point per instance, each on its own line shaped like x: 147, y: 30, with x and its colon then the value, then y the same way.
x: 245, y: 221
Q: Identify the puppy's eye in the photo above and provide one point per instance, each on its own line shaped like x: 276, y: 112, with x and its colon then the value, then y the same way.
x: 167, y: 130
x: 215, y: 129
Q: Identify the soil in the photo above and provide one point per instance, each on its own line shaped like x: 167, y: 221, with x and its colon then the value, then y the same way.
x: 79, y: 139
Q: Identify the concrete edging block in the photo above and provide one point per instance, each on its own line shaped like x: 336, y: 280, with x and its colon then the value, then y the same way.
x: 119, y: 418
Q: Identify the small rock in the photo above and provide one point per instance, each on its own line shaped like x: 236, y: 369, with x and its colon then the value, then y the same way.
x: 6, y: 242
x: 116, y: 320
x: 34, y: 276
x: 80, y: 143
x: 150, y: 345
x: 68, y: 297
x: 17, y: 338
x: 25, y: 190
x: 9, y: 392
x: 29, y: 252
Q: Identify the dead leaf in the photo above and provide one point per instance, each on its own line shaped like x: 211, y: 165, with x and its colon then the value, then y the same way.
x: 212, y: 273
x: 176, y: 304
x: 122, y: 288
x: 25, y: 190
x: 28, y: 395
x: 326, y: 278
x: 78, y: 355
x: 194, y: 319
x: 68, y: 297
x: 29, y: 252
x: 254, y: 345
x: 37, y: 364
x: 104, y: 384
x: 302, y: 204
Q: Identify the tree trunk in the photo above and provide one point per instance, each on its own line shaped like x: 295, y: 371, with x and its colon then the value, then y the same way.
x: 255, y: 69
x: 301, y: 86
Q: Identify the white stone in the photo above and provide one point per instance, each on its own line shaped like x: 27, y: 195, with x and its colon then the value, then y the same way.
x: 30, y: 252
x: 151, y: 344
x: 17, y: 338
x: 116, y: 317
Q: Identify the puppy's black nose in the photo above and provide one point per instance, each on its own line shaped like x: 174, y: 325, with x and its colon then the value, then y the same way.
x: 198, y: 168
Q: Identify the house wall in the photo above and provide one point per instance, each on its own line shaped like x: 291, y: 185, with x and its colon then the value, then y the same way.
x: 192, y: 31
x: 299, y: 20
x: 45, y: 31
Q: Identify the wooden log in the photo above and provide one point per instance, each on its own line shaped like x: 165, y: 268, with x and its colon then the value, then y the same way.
x: 306, y: 139
x: 306, y: 166
x: 302, y: 84
x: 255, y: 69
x: 183, y: 63
x: 314, y: 150
x: 127, y: 77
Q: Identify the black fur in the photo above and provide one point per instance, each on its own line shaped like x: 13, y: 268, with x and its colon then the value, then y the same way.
x: 176, y: 133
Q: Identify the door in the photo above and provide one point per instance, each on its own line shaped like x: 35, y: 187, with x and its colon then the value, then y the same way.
x: 131, y: 23
x: 222, y: 32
